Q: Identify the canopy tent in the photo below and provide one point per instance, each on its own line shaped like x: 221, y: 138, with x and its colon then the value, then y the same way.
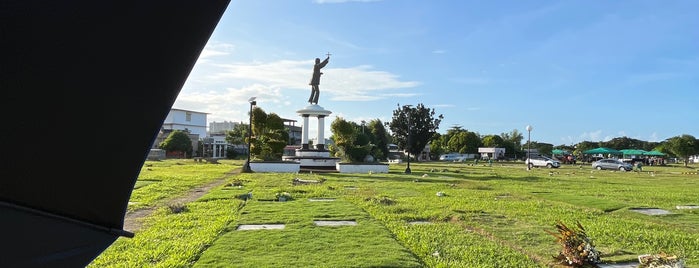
x: 634, y: 152
x: 559, y: 152
x: 603, y: 150
x: 654, y: 153
x: 102, y: 77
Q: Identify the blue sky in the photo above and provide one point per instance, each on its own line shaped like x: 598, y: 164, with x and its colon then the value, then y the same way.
x: 573, y: 70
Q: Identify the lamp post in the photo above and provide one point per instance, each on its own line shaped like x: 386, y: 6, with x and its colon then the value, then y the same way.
x: 246, y: 167
x: 529, y: 144
x: 407, y: 169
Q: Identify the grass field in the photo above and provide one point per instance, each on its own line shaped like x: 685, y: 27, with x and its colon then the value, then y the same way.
x: 487, y: 216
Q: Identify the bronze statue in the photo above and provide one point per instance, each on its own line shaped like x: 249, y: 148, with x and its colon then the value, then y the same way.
x: 315, y: 79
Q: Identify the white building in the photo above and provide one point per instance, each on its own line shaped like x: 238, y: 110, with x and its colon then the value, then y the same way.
x: 194, y: 122
x: 188, y: 121
x: 491, y: 153
x: 221, y: 127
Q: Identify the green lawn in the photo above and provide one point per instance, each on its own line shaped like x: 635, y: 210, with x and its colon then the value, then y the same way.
x: 488, y: 217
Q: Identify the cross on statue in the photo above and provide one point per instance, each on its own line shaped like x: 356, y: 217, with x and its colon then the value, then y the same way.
x: 328, y: 54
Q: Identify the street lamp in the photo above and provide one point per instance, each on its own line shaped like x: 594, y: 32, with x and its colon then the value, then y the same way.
x: 529, y: 144
x: 407, y: 169
x: 246, y: 167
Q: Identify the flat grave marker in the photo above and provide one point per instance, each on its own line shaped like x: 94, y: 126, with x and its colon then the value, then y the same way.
x: 334, y: 223
x: 419, y: 222
x: 321, y: 199
x: 619, y: 265
x: 651, y: 211
x: 246, y: 227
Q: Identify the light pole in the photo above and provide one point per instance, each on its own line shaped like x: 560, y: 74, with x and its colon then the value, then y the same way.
x: 363, y: 122
x: 246, y: 167
x: 407, y: 169
x: 529, y: 144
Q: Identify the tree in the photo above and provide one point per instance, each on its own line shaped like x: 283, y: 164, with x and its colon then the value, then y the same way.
x: 350, y: 144
x: 512, y: 142
x: 177, y: 141
x: 464, y: 142
x: 269, y: 135
x: 683, y: 146
x: 492, y: 141
x: 624, y: 143
x: 438, y: 145
x: 414, y: 127
x: 380, y: 138
x: 238, y: 134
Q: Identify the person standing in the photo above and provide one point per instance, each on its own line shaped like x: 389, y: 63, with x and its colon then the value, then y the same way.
x: 315, y: 79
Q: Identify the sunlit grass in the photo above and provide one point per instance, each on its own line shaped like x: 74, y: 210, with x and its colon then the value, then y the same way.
x: 490, y: 216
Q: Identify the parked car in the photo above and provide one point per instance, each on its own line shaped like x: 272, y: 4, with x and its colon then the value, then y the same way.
x: 542, y: 161
x: 611, y: 164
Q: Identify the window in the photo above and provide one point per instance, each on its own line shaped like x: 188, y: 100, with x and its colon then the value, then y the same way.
x: 188, y: 117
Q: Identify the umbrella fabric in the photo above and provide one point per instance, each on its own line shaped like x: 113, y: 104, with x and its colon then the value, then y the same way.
x: 559, y: 152
x: 602, y: 150
x: 632, y: 151
x: 654, y: 153
x: 101, y: 76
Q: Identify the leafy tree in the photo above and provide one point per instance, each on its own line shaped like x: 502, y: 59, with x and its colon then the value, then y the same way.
x: 464, y: 142
x: 544, y: 148
x: 620, y: 143
x: 380, y: 138
x: 492, y: 141
x: 584, y: 146
x: 514, y: 136
x: 269, y: 135
x: 238, y: 135
x: 414, y: 127
x: 350, y: 144
x: 683, y: 146
x: 512, y: 142
x: 438, y: 145
x: 177, y: 141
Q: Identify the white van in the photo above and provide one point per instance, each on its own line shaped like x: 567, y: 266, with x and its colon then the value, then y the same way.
x: 454, y: 157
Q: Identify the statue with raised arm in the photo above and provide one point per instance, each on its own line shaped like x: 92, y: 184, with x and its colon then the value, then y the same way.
x: 315, y: 79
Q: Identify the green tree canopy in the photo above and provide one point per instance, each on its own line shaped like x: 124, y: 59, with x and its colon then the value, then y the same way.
x: 683, y: 146
x: 238, y: 135
x: 464, y: 142
x: 380, y: 138
x: 269, y: 135
x: 414, y: 127
x: 493, y: 141
x: 350, y: 144
x: 177, y: 141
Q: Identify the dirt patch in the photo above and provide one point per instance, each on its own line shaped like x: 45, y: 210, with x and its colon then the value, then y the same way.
x: 133, y: 220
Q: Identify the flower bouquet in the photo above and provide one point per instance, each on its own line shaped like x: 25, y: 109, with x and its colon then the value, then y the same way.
x: 577, y: 249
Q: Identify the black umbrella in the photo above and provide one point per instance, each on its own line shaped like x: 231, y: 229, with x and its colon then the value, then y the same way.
x: 86, y: 85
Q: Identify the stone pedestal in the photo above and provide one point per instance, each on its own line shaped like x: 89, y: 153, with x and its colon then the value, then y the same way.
x: 318, y: 157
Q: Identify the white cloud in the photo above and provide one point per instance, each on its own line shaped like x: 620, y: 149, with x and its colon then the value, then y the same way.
x: 591, y: 136
x: 221, y: 89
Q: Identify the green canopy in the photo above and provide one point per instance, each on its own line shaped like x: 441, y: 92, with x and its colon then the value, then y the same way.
x: 633, y: 152
x: 559, y: 152
x: 654, y: 153
x: 602, y: 150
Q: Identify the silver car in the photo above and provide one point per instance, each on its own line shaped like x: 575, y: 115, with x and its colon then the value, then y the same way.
x: 611, y: 164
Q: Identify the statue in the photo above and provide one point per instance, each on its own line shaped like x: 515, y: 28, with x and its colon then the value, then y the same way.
x: 315, y: 79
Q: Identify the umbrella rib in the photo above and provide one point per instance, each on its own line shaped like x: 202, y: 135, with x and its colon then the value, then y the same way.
x: 114, y: 231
